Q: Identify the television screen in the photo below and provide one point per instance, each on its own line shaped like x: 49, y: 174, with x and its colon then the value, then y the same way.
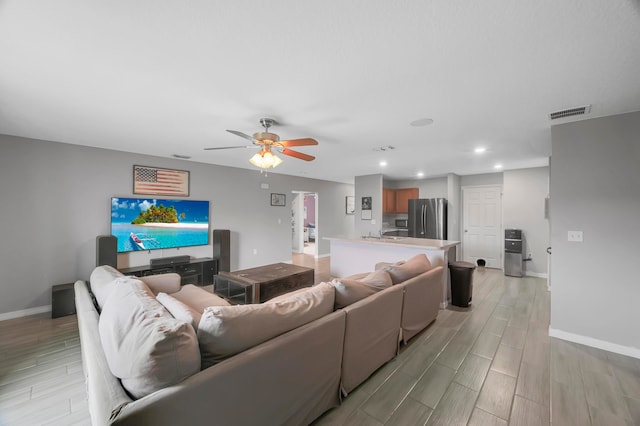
x: 153, y: 223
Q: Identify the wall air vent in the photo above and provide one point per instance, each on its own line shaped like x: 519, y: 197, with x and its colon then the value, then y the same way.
x: 570, y: 112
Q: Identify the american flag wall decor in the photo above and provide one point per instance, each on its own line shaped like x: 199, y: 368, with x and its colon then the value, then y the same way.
x: 155, y: 181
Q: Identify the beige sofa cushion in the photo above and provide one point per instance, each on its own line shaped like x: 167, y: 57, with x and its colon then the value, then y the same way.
x: 227, y: 330
x: 179, y: 310
x: 197, y: 298
x: 102, y: 282
x: 162, y: 283
x: 357, y: 287
x: 144, y: 346
x: 413, y: 267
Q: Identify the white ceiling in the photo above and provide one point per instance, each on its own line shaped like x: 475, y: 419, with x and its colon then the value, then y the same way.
x: 168, y: 77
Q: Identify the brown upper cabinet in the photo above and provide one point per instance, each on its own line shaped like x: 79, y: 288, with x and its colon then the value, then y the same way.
x: 395, y: 201
x: 388, y: 200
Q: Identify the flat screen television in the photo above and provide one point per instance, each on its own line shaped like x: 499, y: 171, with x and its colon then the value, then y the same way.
x: 154, y: 223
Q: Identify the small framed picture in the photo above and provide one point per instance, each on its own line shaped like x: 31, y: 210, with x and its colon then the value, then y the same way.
x: 278, y: 199
x: 366, y: 203
x: 351, y: 204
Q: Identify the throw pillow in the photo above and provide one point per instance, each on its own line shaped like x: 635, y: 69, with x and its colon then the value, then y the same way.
x: 350, y: 290
x: 413, y: 267
x: 145, y: 347
x: 179, y: 310
x: 227, y: 330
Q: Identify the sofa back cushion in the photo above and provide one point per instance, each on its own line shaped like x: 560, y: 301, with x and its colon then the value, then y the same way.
x: 413, y: 267
x: 197, y: 298
x: 102, y: 281
x: 145, y: 347
x: 350, y: 290
x: 227, y: 330
x: 162, y: 283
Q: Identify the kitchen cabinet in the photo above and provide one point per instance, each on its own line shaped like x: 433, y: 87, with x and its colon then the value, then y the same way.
x: 388, y: 200
x: 402, y: 199
x: 396, y: 201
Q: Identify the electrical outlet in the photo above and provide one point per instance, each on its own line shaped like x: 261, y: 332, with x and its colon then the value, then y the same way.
x: 255, y: 251
x: 574, y: 236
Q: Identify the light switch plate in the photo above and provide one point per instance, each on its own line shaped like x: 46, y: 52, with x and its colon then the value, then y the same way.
x: 574, y: 236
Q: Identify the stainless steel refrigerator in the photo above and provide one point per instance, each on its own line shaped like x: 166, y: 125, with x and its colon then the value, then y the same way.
x: 428, y: 218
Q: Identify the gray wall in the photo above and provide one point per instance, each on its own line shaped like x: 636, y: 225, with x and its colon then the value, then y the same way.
x: 368, y: 186
x: 454, y: 209
x: 483, y: 179
x: 56, y: 200
x: 524, y: 193
x: 595, y: 188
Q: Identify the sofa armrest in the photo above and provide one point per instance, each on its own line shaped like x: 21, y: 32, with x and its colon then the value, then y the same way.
x: 372, y: 335
x: 421, y: 303
x: 104, y: 391
x: 165, y: 283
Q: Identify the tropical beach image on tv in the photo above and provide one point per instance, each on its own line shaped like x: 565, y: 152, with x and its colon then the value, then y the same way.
x: 153, y: 223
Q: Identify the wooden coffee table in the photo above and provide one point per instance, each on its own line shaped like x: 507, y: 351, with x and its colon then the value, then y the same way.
x: 257, y: 285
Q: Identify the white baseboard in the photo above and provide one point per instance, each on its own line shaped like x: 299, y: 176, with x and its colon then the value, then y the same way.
x: 536, y: 274
x: 25, y: 312
x: 596, y: 343
x: 320, y: 256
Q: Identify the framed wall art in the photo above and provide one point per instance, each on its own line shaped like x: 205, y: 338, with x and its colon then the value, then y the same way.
x: 155, y: 181
x: 366, y: 208
x: 278, y: 199
x: 350, y: 204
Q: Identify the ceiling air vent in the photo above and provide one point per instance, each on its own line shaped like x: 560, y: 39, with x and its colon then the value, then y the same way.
x: 570, y: 112
x: 384, y: 148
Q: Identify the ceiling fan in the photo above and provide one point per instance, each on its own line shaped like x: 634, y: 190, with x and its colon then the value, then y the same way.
x: 267, y: 142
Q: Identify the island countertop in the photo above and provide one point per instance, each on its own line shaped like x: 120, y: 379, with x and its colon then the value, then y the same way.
x: 353, y: 255
x: 423, y: 243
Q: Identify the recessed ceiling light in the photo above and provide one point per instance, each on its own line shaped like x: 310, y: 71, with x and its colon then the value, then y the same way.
x: 383, y: 163
x: 420, y: 174
x: 497, y: 166
x: 480, y: 150
x: 421, y: 122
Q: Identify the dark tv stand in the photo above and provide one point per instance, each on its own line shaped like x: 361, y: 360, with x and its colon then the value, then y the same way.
x: 196, y: 271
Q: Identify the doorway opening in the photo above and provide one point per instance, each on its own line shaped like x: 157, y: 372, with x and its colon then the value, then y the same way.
x: 304, y: 224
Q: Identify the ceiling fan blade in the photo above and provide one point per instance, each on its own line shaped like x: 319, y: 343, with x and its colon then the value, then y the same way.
x: 297, y: 154
x: 243, y: 135
x: 229, y: 147
x: 299, y: 142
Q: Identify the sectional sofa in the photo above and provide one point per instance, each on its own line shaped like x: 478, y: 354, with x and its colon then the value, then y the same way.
x: 158, y: 353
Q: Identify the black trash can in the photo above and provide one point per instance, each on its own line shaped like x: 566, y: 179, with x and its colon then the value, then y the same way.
x: 461, y: 283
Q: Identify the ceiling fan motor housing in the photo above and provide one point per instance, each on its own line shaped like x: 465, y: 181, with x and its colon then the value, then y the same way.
x: 266, y: 136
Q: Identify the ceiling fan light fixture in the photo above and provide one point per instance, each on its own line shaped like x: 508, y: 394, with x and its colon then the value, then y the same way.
x: 265, y: 159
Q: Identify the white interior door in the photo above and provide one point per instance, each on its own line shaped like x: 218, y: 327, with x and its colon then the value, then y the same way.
x: 482, y: 225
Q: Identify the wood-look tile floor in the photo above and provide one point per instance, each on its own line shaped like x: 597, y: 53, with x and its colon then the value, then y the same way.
x: 490, y: 364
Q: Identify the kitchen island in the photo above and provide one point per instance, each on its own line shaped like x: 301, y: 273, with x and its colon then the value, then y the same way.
x: 351, y: 256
